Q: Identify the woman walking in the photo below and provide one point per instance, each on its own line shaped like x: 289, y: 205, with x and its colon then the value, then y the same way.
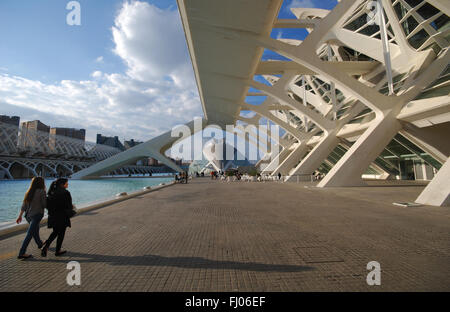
x: 59, y: 205
x: 33, y: 206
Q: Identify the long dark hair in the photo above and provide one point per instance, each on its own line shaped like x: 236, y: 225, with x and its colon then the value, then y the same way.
x: 36, y: 183
x: 57, y: 184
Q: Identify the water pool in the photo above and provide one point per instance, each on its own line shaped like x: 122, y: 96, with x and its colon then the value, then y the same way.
x: 83, y: 191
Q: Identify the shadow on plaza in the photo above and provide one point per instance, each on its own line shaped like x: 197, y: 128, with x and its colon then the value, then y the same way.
x: 180, y: 262
x: 394, y: 185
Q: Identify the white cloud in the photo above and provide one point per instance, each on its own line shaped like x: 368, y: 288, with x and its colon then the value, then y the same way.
x: 157, y: 92
x: 163, y: 53
x: 280, y: 34
x: 99, y: 59
x: 96, y: 74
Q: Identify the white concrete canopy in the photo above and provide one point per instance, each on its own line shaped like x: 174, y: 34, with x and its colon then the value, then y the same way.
x: 334, y: 85
x: 226, y: 40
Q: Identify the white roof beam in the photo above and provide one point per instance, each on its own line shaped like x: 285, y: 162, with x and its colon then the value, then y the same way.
x: 296, y: 23
x: 278, y: 67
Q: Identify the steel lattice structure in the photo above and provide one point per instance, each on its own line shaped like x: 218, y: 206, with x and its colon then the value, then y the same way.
x: 31, y: 143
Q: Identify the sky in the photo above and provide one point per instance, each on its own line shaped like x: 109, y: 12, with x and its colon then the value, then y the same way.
x: 124, y: 71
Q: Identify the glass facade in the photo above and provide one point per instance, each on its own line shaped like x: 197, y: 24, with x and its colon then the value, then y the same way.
x: 400, y: 158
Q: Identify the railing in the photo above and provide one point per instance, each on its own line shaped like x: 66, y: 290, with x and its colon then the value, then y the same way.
x: 302, y: 178
x: 31, y: 143
x: 283, y: 178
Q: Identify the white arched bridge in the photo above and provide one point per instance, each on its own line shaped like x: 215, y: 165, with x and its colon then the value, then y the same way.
x: 27, y: 153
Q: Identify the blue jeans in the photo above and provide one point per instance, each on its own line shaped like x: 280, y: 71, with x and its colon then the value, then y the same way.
x: 33, y: 232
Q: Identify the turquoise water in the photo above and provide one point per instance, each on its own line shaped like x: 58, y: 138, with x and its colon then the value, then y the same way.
x: 82, y: 191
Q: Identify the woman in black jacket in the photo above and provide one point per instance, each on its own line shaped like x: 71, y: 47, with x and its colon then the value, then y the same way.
x: 59, y: 205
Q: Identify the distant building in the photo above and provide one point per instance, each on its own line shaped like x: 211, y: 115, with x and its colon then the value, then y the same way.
x: 110, y: 141
x: 186, y: 163
x: 69, y: 132
x: 131, y: 143
x: 14, y: 120
x: 153, y: 162
x: 34, y: 135
x: 57, y: 134
x: 178, y: 162
x: 9, y: 133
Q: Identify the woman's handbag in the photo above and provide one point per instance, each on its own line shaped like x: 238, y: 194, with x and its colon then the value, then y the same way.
x: 71, y: 213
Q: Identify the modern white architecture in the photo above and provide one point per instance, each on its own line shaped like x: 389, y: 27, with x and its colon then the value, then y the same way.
x: 363, y: 94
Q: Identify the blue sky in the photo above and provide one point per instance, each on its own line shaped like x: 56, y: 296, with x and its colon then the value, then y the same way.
x: 293, y: 33
x: 125, y: 71
x: 95, y: 75
x: 49, y: 50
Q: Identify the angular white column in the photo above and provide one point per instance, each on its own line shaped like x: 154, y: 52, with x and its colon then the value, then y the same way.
x: 349, y: 169
x: 434, y: 142
x: 273, y: 165
x: 437, y: 192
x: 313, y: 160
x: 294, y: 157
x: 322, y: 149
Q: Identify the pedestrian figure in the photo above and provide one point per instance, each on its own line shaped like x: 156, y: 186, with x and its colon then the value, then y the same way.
x: 33, y: 206
x: 59, y: 206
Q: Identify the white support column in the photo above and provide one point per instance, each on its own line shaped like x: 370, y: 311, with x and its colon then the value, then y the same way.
x: 283, y: 98
x: 275, y: 154
x: 431, y: 142
x: 385, y: 43
x: 349, y: 169
x: 262, y: 111
x: 313, y: 160
x: 273, y: 165
x: 8, y: 173
x: 333, y: 88
x: 294, y: 157
x: 437, y: 192
x: 322, y: 149
x: 305, y: 118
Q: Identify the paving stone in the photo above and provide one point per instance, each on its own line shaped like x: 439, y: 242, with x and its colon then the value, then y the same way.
x: 214, y: 236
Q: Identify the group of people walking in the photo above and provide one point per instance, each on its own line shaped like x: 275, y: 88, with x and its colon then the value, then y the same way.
x: 58, y: 203
x: 214, y: 175
x: 182, y: 178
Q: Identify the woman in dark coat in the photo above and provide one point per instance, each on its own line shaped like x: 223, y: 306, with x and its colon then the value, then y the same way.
x: 59, y: 205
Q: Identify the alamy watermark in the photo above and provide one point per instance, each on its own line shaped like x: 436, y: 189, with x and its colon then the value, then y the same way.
x: 374, y: 276
x: 73, y: 18
x: 74, y: 276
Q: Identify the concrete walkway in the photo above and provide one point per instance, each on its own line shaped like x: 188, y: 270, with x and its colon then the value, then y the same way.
x: 214, y: 236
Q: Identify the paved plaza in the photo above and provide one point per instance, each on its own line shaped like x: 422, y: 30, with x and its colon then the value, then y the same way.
x: 214, y: 236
